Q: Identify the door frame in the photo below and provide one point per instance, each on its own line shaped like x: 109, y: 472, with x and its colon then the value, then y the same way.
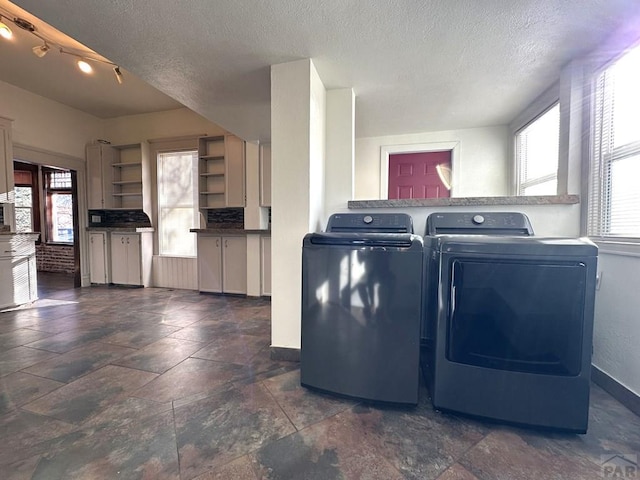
x: 386, y: 150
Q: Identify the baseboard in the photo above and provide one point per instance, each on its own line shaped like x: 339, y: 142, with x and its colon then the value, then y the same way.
x: 285, y: 354
x: 618, y: 391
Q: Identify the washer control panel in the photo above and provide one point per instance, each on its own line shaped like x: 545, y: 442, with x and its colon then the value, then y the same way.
x: 370, y: 223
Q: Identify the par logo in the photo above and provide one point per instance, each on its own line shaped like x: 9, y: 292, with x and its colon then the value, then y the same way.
x: 619, y: 466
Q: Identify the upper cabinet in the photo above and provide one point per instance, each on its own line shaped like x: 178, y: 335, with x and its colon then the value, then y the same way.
x: 265, y: 175
x: 119, y: 177
x: 221, y: 170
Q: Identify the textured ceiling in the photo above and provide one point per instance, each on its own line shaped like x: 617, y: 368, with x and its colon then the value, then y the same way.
x: 415, y: 65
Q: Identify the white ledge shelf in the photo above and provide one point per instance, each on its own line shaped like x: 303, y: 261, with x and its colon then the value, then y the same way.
x: 466, y: 201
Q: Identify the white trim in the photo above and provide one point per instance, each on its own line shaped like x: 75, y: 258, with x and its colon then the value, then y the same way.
x: 386, y: 150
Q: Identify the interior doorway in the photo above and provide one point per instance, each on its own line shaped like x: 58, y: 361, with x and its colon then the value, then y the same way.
x: 420, y: 175
x: 47, y: 202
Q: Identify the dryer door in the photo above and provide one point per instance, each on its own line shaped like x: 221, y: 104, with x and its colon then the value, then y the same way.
x: 517, y: 315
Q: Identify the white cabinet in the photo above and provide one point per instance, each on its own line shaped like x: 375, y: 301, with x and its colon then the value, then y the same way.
x: 98, y: 265
x: 265, y: 175
x: 265, y: 265
x: 99, y: 160
x: 222, y: 263
x: 18, y: 276
x: 221, y: 172
x: 119, y: 177
x: 126, y: 259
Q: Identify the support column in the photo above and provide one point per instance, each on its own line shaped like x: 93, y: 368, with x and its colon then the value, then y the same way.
x: 297, y: 202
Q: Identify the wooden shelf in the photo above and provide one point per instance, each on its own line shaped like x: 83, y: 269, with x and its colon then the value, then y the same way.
x: 212, y: 174
x: 135, y: 194
x: 126, y: 164
x: 127, y: 182
x: 211, y: 157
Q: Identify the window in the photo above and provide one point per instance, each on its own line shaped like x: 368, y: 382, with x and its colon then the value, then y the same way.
x: 177, y: 202
x: 614, y: 192
x: 537, y: 146
x: 59, y: 206
x: 26, y: 204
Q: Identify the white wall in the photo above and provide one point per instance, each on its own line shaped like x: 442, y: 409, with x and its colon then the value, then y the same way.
x: 482, y: 170
x: 149, y: 126
x: 44, y: 124
x: 616, y: 335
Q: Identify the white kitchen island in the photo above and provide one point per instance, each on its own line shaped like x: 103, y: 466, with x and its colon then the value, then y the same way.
x: 18, y: 276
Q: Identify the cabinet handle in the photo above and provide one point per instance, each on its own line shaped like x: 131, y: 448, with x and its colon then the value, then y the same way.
x: 91, y: 239
x: 122, y: 240
x: 217, y: 242
x: 10, y: 251
x: 225, y: 244
x: 128, y: 240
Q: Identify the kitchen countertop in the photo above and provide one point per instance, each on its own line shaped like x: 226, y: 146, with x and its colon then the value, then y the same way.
x: 230, y: 231
x: 131, y: 229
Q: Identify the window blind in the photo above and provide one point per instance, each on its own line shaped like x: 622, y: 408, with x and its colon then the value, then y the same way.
x: 614, y: 184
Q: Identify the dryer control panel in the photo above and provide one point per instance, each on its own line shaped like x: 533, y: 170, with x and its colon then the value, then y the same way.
x: 474, y: 223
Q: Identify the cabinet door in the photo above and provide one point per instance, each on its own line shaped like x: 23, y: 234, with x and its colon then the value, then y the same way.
x: 119, y: 272
x: 97, y: 257
x: 265, y: 265
x: 265, y: 175
x: 234, y: 171
x: 234, y: 265
x: 209, y: 264
x: 134, y: 259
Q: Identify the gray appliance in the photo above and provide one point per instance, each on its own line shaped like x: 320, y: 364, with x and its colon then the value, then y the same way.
x: 509, y: 320
x: 361, y: 308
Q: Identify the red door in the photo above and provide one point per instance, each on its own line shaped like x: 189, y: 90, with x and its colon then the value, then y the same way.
x: 414, y: 175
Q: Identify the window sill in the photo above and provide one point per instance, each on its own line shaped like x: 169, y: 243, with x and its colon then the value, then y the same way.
x: 628, y: 247
x: 467, y: 201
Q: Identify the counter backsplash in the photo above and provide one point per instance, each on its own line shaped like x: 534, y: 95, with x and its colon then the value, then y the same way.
x: 225, y: 218
x: 118, y: 218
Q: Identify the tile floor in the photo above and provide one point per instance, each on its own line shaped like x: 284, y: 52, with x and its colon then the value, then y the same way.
x: 106, y: 382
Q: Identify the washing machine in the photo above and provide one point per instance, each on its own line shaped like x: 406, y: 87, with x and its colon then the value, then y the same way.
x: 508, y: 320
x: 362, y: 308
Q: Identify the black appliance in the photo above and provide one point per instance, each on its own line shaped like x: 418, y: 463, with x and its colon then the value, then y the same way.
x: 509, y: 320
x: 361, y: 308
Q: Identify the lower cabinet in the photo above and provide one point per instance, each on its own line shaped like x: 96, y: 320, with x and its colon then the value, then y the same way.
x: 98, y: 264
x: 126, y: 259
x: 18, y: 276
x: 222, y: 264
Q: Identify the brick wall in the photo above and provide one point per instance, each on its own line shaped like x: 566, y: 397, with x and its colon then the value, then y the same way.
x: 54, y: 258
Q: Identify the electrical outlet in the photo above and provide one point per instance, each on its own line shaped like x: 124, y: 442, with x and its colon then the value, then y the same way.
x: 96, y: 219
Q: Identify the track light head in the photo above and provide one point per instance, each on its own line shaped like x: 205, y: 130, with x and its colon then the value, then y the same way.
x: 118, y: 73
x: 5, y: 31
x: 84, y: 67
x: 41, y: 50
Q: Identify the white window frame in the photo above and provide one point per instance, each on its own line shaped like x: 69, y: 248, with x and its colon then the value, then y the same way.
x: 194, y: 206
x: 520, y: 186
x: 601, y: 159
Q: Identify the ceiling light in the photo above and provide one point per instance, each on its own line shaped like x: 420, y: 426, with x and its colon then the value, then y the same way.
x: 41, y: 50
x: 5, y: 32
x: 118, y: 73
x: 84, y: 67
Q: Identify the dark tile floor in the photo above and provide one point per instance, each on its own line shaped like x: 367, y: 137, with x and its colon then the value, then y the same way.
x: 106, y: 382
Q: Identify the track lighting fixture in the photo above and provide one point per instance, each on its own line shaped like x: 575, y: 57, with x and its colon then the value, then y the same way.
x: 84, y: 59
x: 41, y: 50
x: 5, y: 31
x: 118, y: 73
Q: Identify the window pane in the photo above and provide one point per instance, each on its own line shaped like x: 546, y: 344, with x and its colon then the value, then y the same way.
x: 626, y: 100
x: 545, y: 188
x: 177, y: 205
x: 24, y: 209
x: 625, y: 197
x: 538, y: 145
x: 61, y: 217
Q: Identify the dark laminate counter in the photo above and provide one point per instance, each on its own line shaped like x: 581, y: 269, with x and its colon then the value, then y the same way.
x: 467, y: 201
